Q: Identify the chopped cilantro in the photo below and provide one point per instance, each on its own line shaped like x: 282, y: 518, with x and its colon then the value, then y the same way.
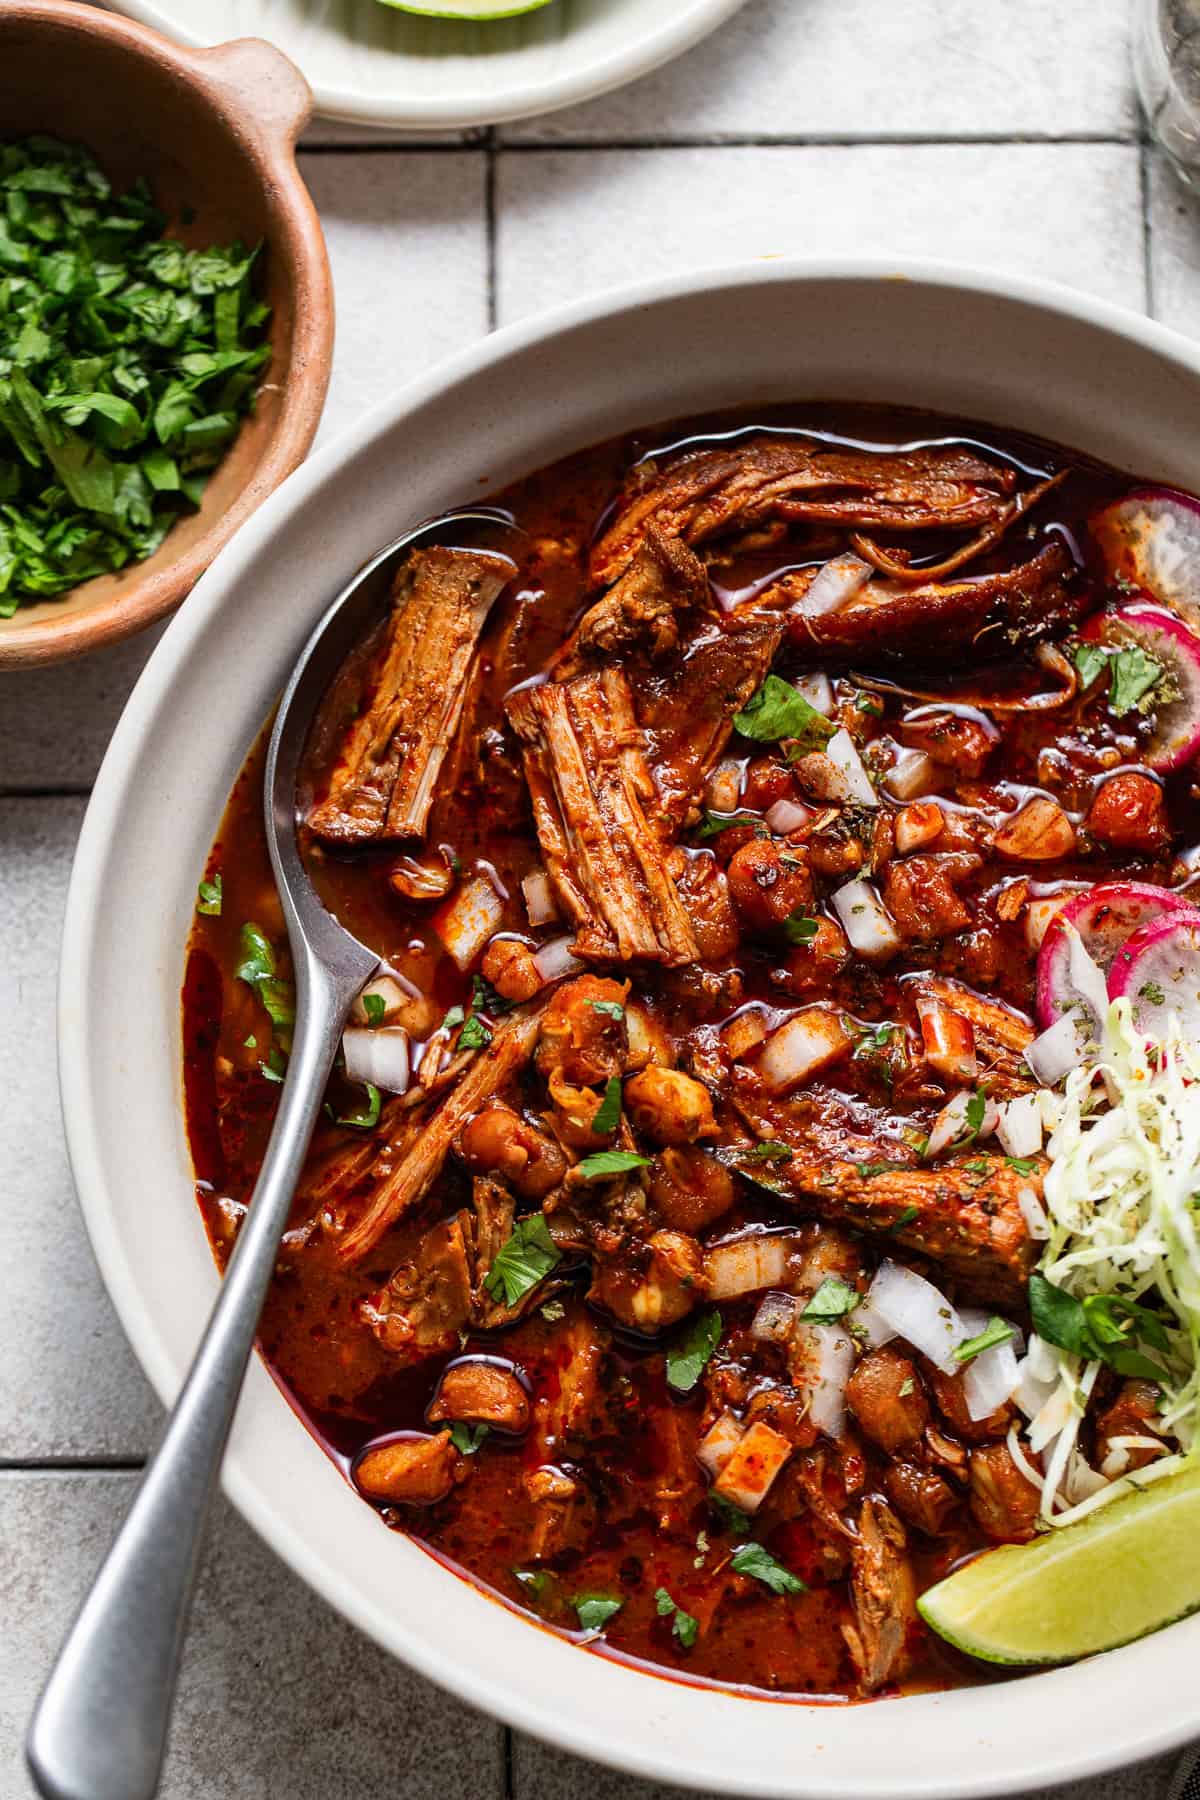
x: 867, y: 1171
x: 485, y: 999
x: 769, y: 1150
x: 715, y: 823
x: 467, y: 1438
x: 612, y: 1009
x: 128, y: 364
x: 778, y: 710
x: 609, y: 1162
x: 800, y: 928
x: 375, y: 1006
x: 753, y: 1559
x: 275, y: 1066
x: 996, y: 1331
x: 454, y: 1017
x: 1152, y: 994
x: 1022, y: 1165
x: 608, y: 1114
x: 595, y: 1610
x: 735, y: 1521
x: 1134, y: 673
x: 1090, y: 660
x: 208, y: 897
x: 523, y: 1261
x: 694, y: 1347
x: 474, y: 1034
x: 257, y: 958
x: 683, y: 1624
x: 1102, y: 1328
x: 553, y: 1312
x: 367, y: 1117
x: 976, y: 1110
x: 537, y: 1583
x: 904, y: 1218
x: 832, y: 1300
x: 906, y: 1387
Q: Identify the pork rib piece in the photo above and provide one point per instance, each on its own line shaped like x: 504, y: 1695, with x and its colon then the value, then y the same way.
x: 686, y: 707
x: 383, y: 780
x: 966, y: 1217
x: 641, y: 609
x: 985, y: 614
x: 585, y: 766
x: 713, y: 492
x: 409, y: 1179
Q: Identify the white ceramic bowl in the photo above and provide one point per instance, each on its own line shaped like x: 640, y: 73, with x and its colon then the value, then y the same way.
x: 367, y: 62
x: 1017, y: 353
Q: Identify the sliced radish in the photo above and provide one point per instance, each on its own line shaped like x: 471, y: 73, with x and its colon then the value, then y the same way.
x: 1160, y: 635
x: 1159, y: 972
x: 1098, y: 922
x: 1152, y: 539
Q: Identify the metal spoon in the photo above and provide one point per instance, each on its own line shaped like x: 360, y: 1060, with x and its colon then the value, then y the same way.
x: 99, y: 1730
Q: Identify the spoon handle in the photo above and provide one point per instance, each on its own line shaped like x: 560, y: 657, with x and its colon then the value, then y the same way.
x: 99, y: 1732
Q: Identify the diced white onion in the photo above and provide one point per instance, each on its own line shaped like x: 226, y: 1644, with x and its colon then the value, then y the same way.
x: 842, y: 752
x: 912, y: 774
x: 918, y: 1312
x: 952, y: 1123
x: 817, y: 689
x: 1043, y: 1359
x: 1034, y: 1215
x: 755, y: 1461
x: 556, y: 959
x: 540, y: 902
x: 990, y: 1379
x: 469, y: 919
x: 866, y: 920
x: 918, y: 824
x: 775, y: 1320
x: 723, y: 790
x: 870, y: 1326
x: 719, y: 1442
x: 825, y: 1358
x: 1019, y: 1125
x: 1038, y: 914
x: 387, y: 989
x: 787, y: 815
x: 380, y: 1056
x: 746, y: 1264
x: 834, y: 583
x: 808, y: 1041
x: 1056, y: 1052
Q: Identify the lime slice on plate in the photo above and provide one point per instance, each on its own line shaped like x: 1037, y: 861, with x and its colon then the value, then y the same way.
x: 1130, y: 1568
x: 474, y: 10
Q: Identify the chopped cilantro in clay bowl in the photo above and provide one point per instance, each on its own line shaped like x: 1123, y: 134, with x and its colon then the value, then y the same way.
x: 166, y: 316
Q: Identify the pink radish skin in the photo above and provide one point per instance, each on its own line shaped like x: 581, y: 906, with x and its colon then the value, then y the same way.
x: 1104, y: 918
x: 1151, y: 538
x: 1158, y: 970
x: 1160, y: 634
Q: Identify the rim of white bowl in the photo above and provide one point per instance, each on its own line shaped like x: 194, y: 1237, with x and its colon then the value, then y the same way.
x: 1131, y: 1735
x: 674, y: 34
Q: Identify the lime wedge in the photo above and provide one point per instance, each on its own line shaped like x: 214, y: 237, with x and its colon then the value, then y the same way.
x: 1129, y: 1569
x: 476, y: 10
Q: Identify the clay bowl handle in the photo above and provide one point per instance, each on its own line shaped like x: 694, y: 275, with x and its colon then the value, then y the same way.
x: 261, y: 87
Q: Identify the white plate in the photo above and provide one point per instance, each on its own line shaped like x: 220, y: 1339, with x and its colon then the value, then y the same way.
x: 366, y: 62
x: 1016, y: 352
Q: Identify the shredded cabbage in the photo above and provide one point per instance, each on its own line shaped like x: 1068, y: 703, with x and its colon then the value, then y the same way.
x: 1122, y: 1199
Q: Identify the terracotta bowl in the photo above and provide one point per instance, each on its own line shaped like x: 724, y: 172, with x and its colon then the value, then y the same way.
x: 214, y: 132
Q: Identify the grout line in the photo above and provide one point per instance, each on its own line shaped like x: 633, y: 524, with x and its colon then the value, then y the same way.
x: 726, y: 141
x: 1144, y: 155
x: 72, y: 1465
x: 489, y: 212
x: 44, y: 793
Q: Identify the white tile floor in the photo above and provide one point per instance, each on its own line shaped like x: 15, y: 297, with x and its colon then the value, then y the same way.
x: 1001, y: 134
